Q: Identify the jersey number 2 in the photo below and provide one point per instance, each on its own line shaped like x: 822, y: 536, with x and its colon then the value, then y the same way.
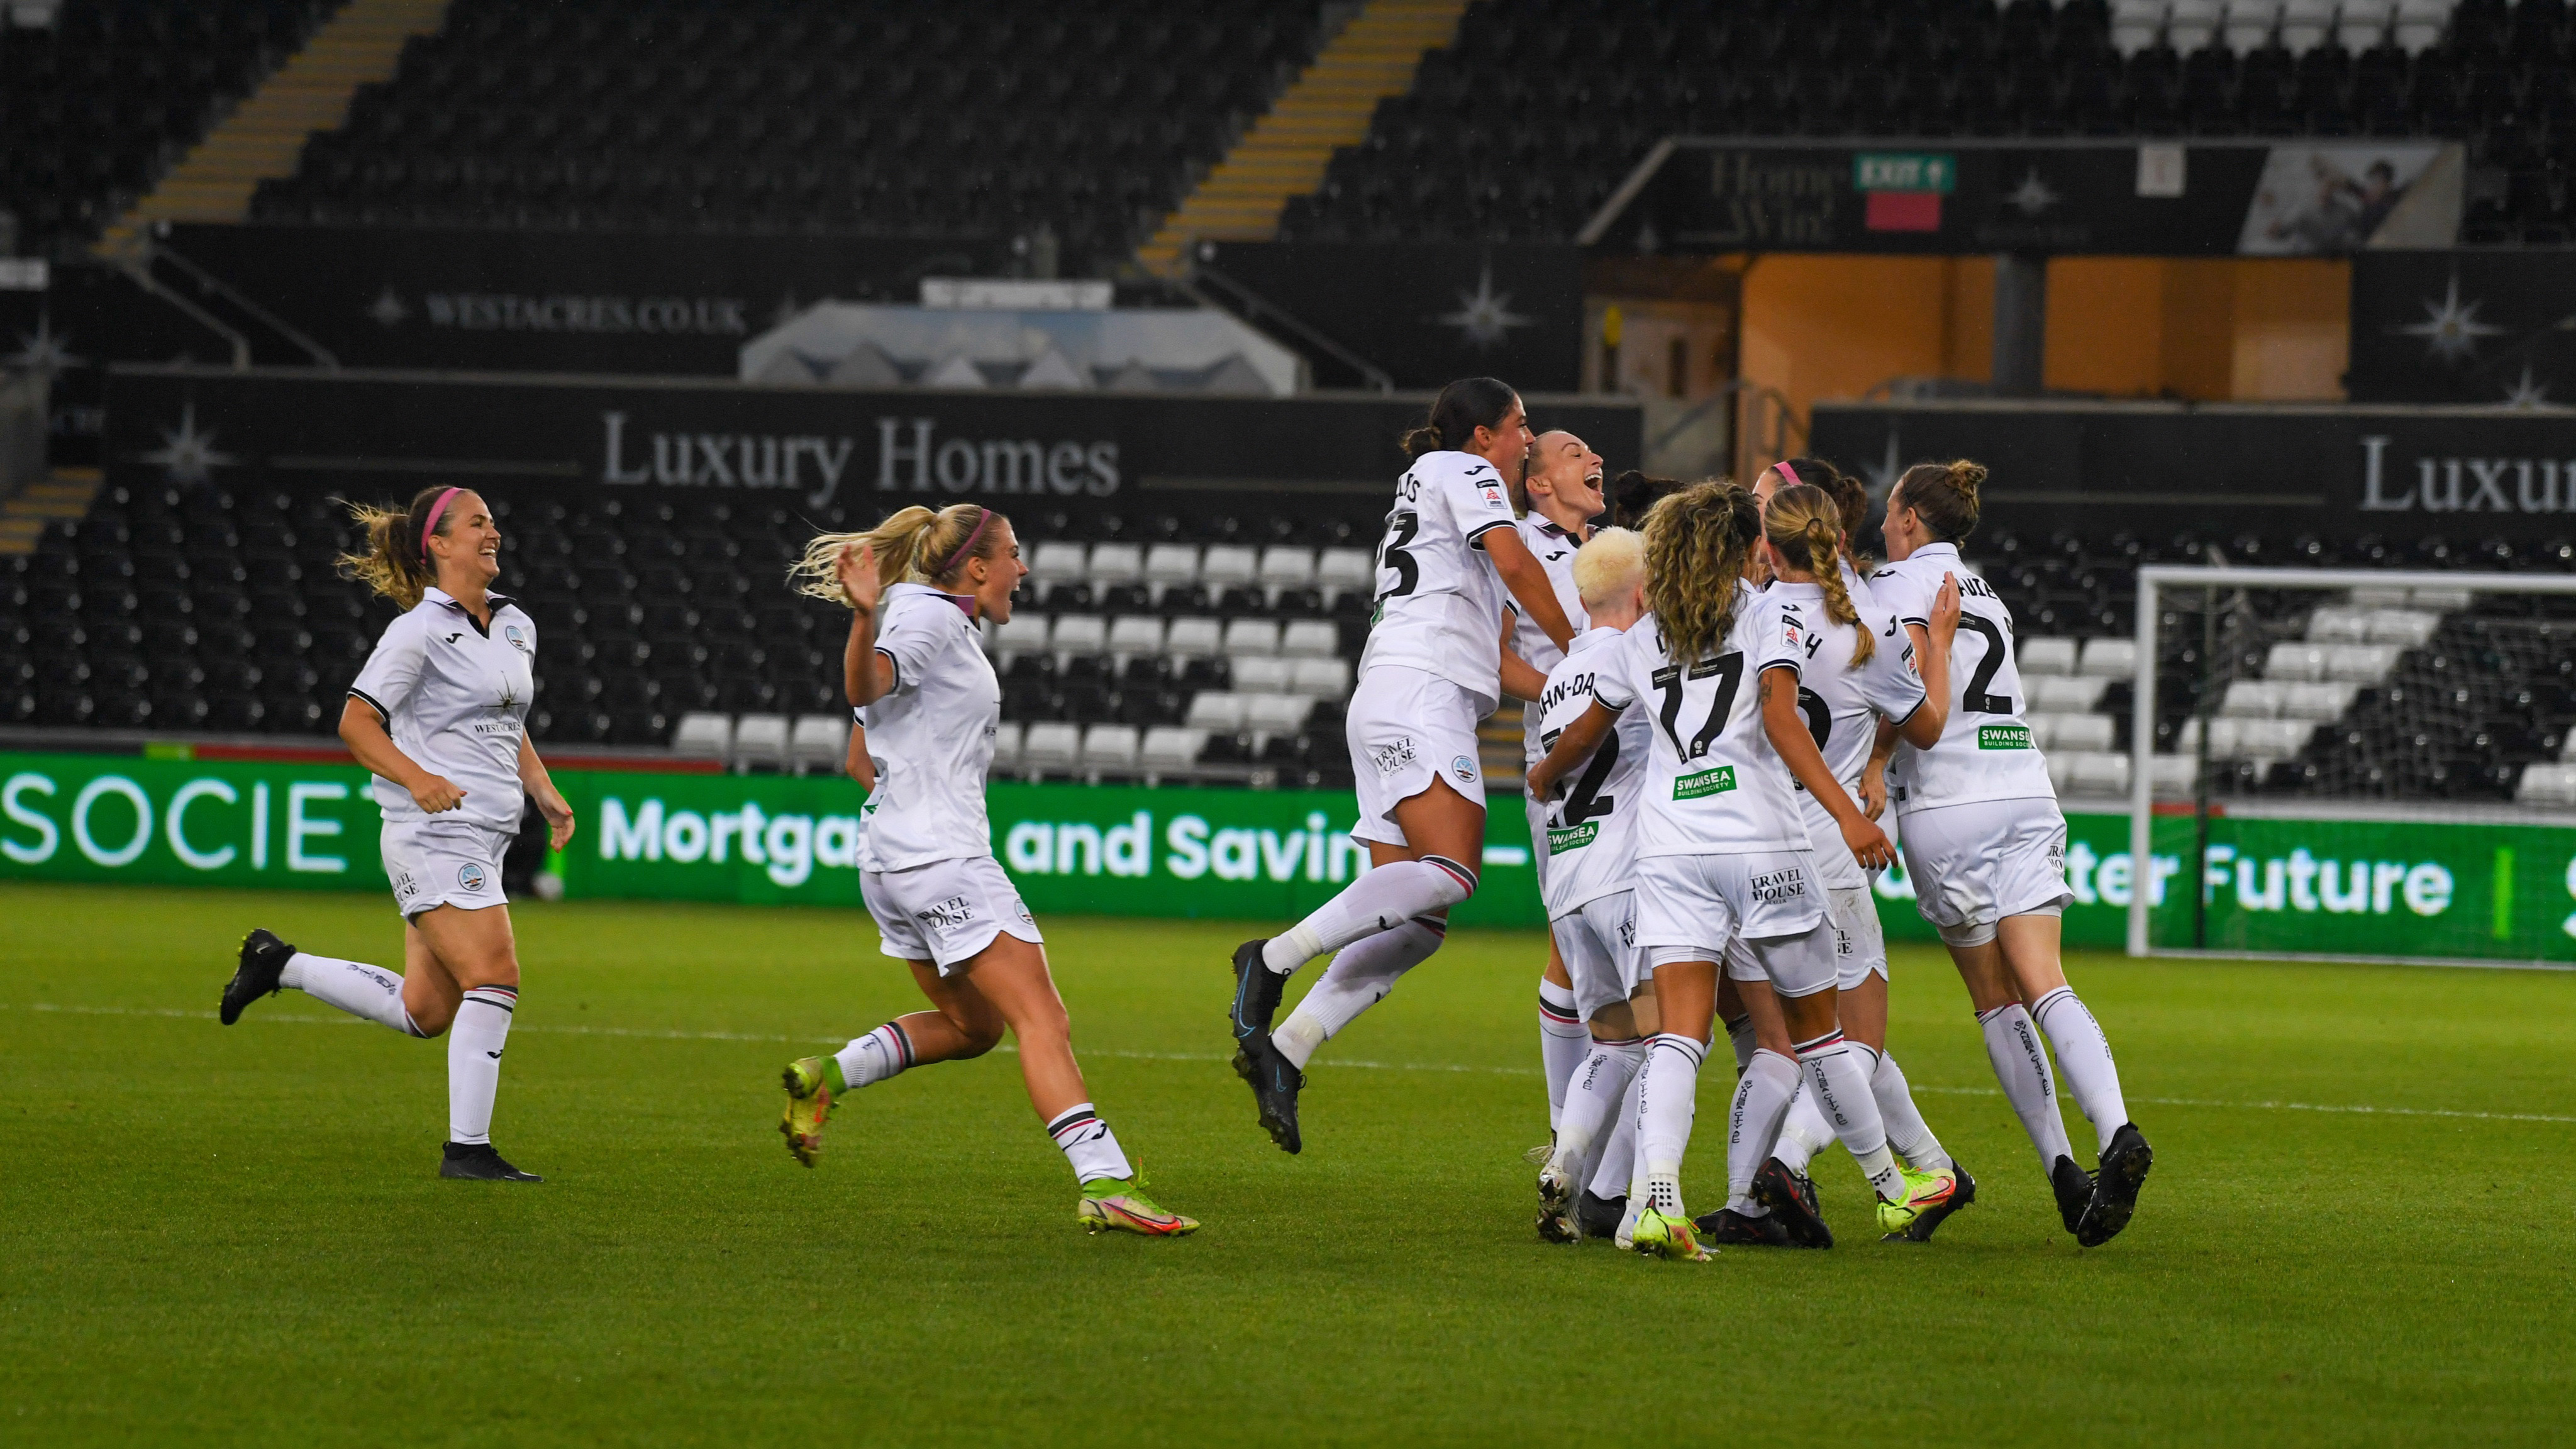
x: 1587, y: 802
x: 1976, y: 700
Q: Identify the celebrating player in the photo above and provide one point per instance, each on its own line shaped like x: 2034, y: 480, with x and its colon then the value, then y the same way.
x: 1432, y: 669
x: 1563, y: 491
x: 1985, y: 848
x: 1590, y: 829
x: 940, y: 900
x: 1848, y: 664
x: 439, y: 714
x: 1723, y: 853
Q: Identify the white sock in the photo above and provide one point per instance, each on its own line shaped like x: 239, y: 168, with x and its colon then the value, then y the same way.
x: 1089, y: 1145
x: 2021, y: 1067
x: 1841, y: 1085
x: 1592, y: 1101
x: 1619, y: 1155
x: 1739, y: 1035
x: 1762, y: 1097
x: 1803, y: 1134
x: 1381, y: 900
x: 1906, y: 1130
x: 474, y: 1047
x: 1667, y: 1094
x: 872, y: 1058
x: 353, y: 986
x: 1563, y: 1043
x: 1361, y: 975
x: 2084, y: 1059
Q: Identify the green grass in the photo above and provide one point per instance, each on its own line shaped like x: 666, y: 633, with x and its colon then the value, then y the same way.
x: 212, y: 1235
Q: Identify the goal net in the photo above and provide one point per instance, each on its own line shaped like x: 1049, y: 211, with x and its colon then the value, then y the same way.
x: 2352, y: 764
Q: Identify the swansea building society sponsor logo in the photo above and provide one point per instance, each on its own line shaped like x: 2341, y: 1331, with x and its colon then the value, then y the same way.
x: 910, y: 457
x: 947, y: 915
x: 1561, y: 839
x: 1392, y: 756
x: 2004, y: 737
x: 1706, y: 782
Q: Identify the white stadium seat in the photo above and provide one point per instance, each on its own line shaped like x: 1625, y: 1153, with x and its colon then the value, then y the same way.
x: 2406, y: 628
x: 2062, y: 695
x: 1193, y: 638
x: 1057, y: 562
x: 760, y: 740
x: 1227, y: 564
x: 2109, y: 659
x: 1278, y: 714
x: 2222, y: 738
x: 2439, y: 599
x: 1217, y: 711
x: 1006, y: 745
x: 2252, y: 699
x: 2547, y: 784
x: 2172, y: 775
x: 2097, y: 772
x: 1109, y: 747
x: 1251, y: 636
x: 2379, y: 596
x: 1080, y: 634
x: 1286, y: 566
x: 2046, y: 656
x: 1025, y: 634
x: 2335, y: 624
x: 1116, y: 563
x: 2291, y: 661
x: 1171, y: 564
x: 2059, y: 767
x: 703, y: 737
x: 2082, y: 732
x: 1310, y: 639
x: 2360, y: 663
x: 1351, y: 570
x: 1261, y: 674
x: 1134, y: 634
x: 819, y: 742
x: 2318, y: 702
x: 1050, y: 746
x: 1322, y: 678
x: 1170, y: 747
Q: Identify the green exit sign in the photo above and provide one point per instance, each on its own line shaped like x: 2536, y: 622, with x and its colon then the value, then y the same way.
x: 1903, y: 171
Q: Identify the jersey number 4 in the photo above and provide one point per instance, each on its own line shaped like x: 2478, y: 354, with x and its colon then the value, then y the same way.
x: 1401, y: 526
x: 1728, y: 669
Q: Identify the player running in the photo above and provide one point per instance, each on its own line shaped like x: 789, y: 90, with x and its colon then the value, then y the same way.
x: 1849, y: 666
x: 1563, y: 491
x: 1431, y: 671
x: 1723, y: 854
x: 1985, y: 848
x: 941, y: 902
x: 1590, y: 827
x: 439, y: 714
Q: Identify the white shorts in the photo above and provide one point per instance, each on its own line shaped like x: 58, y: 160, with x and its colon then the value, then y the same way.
x: 434, y: 862
x: 1695, y: 907
x: 1537, y: 816
x: 1598, y: 940
x: 1972, y: 865
x: 1860, y: 942
x: 947, y: 911
x: 1408, y: 729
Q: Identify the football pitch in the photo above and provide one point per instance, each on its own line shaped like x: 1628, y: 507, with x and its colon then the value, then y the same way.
x: 2357, y: 1230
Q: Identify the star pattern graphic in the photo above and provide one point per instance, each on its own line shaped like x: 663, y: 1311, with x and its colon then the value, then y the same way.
x: 2033, y: 195
x: 388, y: 309
x: 1484, y: 316
x: 2529, y: 393
x: 2450, y: 328
x: 188, y: 457
x: 43, y: 353
x: 1884, y: 472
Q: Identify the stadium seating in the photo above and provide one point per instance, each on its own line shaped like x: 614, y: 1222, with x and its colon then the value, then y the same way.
x: 1520, y: 130
x: 904, y: 118
x: 96, y: 104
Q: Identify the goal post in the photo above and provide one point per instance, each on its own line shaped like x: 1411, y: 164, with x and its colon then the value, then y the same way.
x: 2353, y: 764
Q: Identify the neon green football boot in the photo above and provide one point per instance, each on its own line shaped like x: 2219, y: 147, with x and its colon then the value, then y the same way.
x: 814, y: 1087
x: 1667, y: 1235
x: 1924, y: 1192
x: 1119, y: 1205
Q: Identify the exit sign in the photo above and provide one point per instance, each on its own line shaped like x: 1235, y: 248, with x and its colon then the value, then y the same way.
x: 1905, y: 171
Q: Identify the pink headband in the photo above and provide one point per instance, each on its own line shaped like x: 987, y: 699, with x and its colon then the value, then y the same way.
x: 430, y: 527
x: 968, y: 546
x: 1788, y: 472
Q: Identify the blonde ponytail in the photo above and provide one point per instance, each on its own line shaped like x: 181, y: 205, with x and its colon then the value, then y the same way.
x: 1806, y: 527
x: 395, y: 563
x: 913, y: 546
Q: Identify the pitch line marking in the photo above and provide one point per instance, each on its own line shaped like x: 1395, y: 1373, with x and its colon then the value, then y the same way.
x: 1457, y: 1067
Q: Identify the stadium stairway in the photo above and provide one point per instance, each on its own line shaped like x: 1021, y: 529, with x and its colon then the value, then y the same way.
x: 265, y: 137
x: 66, y: 494
x: 1286, y: 151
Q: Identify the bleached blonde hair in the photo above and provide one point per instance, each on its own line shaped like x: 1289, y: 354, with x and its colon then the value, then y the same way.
x: 913, y: 546
x: 1614, y: 561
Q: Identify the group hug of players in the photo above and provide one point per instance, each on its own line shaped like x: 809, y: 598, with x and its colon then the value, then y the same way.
x: 1720, y: 709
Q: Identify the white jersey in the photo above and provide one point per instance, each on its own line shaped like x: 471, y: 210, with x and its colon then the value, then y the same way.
x: 1439, y: 600
x: 932, y: 732
x: 1985, y: 750
x: 1554, y: 548
x: 1841, y: 703
x: 1714, y: 785
x: 1592, y: 820
x: 1855, y: 585
x: 454, y: 695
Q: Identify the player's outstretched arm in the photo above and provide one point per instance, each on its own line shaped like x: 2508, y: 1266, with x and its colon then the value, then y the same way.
x: 1572, y: 748
x: 1521, y: 679
x: 1528, y: 582
x: 863, y: 680
x: 1786, y: 724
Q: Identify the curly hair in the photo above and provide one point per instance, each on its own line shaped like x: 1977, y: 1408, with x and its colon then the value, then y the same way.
x: 1697, y: 541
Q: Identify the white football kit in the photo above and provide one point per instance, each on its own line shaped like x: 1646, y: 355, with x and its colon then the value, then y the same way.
x: 1433, y: 664
x: 932, y: 884
x: 1590, y: 827
x: 454, y: 696
x: 1979, y: 823
x: 1554, y: 549
x: 1842, y: 705
x: 1722, y: 848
